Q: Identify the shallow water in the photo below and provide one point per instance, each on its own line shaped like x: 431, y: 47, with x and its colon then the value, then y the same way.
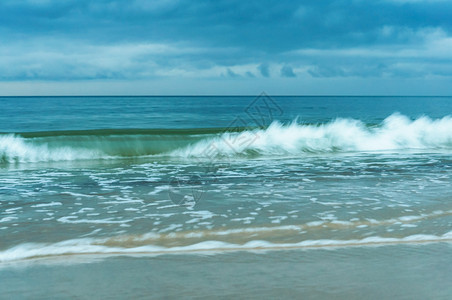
x: 398, y: 271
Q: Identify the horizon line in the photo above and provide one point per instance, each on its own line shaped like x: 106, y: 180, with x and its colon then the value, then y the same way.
x: 246, y: 95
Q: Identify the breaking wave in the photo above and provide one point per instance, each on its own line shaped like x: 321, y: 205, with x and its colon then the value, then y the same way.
x: 397, y: 132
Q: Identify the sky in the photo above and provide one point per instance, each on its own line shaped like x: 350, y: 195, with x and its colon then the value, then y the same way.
x: 234, y: 47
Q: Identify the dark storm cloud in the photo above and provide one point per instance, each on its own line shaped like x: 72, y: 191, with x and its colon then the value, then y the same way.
x: 73, y: 39
x: 270, y: 26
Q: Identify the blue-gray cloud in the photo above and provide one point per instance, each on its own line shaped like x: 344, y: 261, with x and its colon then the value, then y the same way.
x: 232, y: 74
x: 287, y: 71
x: 130, y: 39
x: 264, y: 70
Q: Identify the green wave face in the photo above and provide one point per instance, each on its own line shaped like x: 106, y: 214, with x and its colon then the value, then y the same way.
x: 127, y: 131
x: 49, y: 146
x: 395, y: 133
x: 99, y: 143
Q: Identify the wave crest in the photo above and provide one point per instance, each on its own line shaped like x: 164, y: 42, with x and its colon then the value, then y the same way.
x: 397, y: 132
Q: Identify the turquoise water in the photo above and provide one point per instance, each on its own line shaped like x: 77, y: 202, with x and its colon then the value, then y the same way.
x: 232, y: 182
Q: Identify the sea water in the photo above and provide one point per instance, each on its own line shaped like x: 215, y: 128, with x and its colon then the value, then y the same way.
x: 226, y: 196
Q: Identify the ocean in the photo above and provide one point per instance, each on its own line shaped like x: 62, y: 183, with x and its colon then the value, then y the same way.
x: 244, y: 197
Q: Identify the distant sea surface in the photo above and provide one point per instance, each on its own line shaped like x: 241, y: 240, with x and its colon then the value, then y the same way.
x: 263, y: 196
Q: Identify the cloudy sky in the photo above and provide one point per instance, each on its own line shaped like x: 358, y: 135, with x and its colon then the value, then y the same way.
x: 173, y: 47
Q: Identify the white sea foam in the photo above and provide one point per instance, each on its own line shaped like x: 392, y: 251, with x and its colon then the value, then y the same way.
x: 99, y: 246
x: 75, y: 220
x: 54, y: 203
x: 8, y: 219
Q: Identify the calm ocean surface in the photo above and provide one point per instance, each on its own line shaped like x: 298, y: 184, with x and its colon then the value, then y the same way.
x: 319, y: 197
